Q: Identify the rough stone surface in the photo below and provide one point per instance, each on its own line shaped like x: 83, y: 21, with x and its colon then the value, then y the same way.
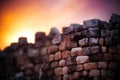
x: 94, y: 73
x: 52, y: 49
x: 102, y: 65
x: 57, y: 39
x: 94, y: 49
x: 62, y: 63
x: 93, y: 32
x: 90, y: 66
x: 58, y: 71
x: 79, y: 67
x: 83, y: 42
x: 82, y: 59
x: 76, y: 51
x: 58, y: 55
x: 93, y: 41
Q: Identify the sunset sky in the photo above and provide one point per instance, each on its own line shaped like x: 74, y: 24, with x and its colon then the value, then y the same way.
x: 26, y: 17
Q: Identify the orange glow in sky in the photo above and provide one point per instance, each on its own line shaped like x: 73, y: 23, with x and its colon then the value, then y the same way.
x: 23, y: 18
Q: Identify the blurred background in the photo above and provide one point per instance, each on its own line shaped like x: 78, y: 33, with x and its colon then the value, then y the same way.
x: 26, y: 17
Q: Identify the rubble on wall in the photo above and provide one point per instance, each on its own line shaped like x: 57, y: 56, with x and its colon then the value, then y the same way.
x: 81, y: 52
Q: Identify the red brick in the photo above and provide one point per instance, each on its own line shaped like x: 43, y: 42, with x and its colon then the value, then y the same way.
x: 52, y: 49
x: 66, y: 54
x: 65, y: 70
x: 51, y: 57
x: 76, y: 51
x: 58, y: 56
x: 90, y: 66
x: 82, y: 59
x: 58, y: 71
x: 62, y: 63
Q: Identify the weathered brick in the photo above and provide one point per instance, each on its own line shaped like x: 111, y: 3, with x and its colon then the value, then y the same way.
x: 116, y: 40
x: 83, y: 42
x: 101, y: 41
x: 103, y: 73
x: 85, y: 73
x: 96, y: 57
x: 107, y: 57
x: 112, y: 49
x: 51, y: 57
x: 58, y: 55
x: 94, y: 73
x: 66, y: 54
x: 93, y: 41
x: 91, y: 23
x: 57, y: 39
x: 62, y: 63
x: 71, y: 69
x: 114, y: 19
x: 90, y: 66
x: 108, y: 41
x: 86, y: 51
x: 76, y: 75
x: 94, y: 49
x: 114, y: 32
x: 93, y: 32
x: 103, y: 49
x: 102, y: 65
x: 79, y: 67
x: 82, y: 59
x: 58, y: 71
x: 54, y: 64
x: 76, y: 51
x: 70, y: 61
x: 52, y: 49
x: 65, y: 70
x: 105, y: 33
x: 113, y: 65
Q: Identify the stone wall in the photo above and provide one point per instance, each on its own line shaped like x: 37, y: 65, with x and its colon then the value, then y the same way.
x: 82, y: 52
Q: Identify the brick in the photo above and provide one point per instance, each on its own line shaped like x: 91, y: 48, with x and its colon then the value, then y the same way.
x: 76, y: 51
x: 116, y: 40
x: 62, y: 63
x: 58, y: 55
x: 79, y: 67
x: 107, y: 57
x: 105, y: 33
x: 68, y: 77
x: 101, y: 41
x: 57, y: 39
x: 91, y: 23
x: 116, y: 57
x: 71, y: 69
x: 70, y: 61
x: 103, y: 73
x: 90, y: 66
x: 83, y: 42
x: 86, y: 51
x: 33, y: 52
x: 102, y: 65
x: 96, y: 57
x: 76, y: 36
x: 94, y: 73
x: 108, y: 41
x: 112, y: 49
x: 93, y: 32
x: 45, y: 66
x: 51, y: 57
x: 65, y: 54
x: 58, y: 71
x: 65, y: 70
x: 94, y: 49
x: 118, y: 48
x: 76, y: 27
x: 114, y: 32
x: 114, y: 19
x: 113, y: 65
x: 54, y: 64
x: 22, y: 41
x: 103, y: 49
x: 54, y: 31
x: 85, y: 73
x: 76, y: 75
x: 82, y: 59
x: 84, y: 33
x: 52, y: 49
x: 93, y: 41
x: 19, y: 75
